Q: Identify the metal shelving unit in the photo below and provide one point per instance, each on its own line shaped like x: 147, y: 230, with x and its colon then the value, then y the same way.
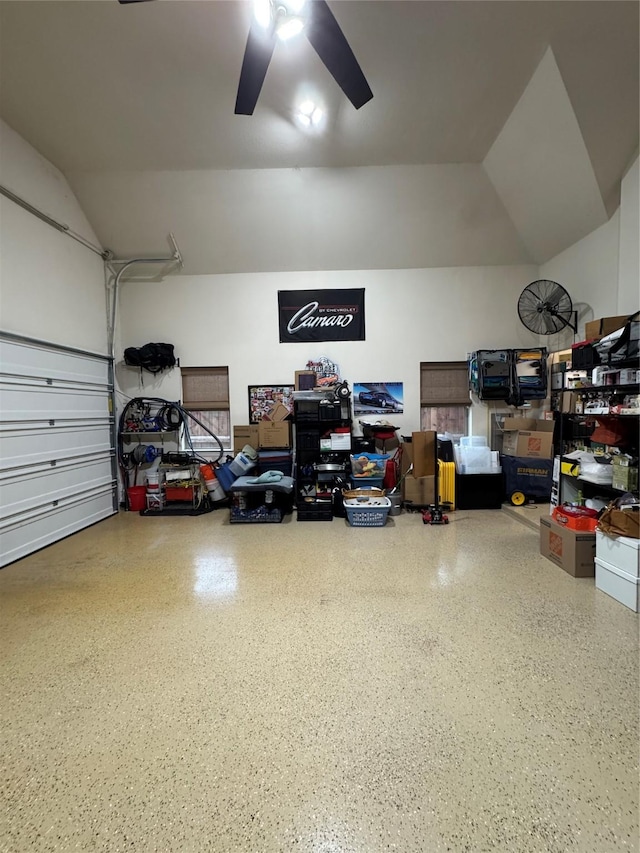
x: 582, y: 419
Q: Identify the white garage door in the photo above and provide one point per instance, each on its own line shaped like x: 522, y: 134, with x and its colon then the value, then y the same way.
x: 57, y: 456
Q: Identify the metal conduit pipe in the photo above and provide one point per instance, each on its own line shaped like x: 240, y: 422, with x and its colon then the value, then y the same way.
x: 105, y: 254
x: 126, y: 264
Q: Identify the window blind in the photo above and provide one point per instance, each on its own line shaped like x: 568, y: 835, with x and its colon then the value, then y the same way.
x: 444, y: 383
x: 205, y: 388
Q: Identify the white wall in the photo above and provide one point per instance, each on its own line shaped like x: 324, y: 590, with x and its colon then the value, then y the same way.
x: 541, y: 168
x: 51, y: 287
x: 589, y: 271
x: 411, y: 316
x: 629, y: 267
x: 270, y: 220
x: 602, y: 271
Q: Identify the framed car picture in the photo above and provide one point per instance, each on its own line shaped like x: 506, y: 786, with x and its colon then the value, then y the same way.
x: 378, y: 398
x: 263, y: 400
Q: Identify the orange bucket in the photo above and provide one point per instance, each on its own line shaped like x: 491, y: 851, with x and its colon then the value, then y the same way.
x: 137, y: 496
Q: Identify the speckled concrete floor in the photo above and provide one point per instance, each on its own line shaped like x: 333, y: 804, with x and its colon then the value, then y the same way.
x: 174, y: 684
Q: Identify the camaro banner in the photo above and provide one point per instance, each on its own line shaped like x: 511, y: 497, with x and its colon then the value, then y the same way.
x: 321, y: 315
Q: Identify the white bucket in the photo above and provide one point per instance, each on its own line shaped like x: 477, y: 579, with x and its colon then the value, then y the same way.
x: 216, y: 492
x: 153, y: 482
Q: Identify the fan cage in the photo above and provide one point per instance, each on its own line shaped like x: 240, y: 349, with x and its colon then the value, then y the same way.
x: 545, y: 307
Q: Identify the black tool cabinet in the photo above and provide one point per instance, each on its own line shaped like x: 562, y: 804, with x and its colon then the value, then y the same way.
x: 320, y: 472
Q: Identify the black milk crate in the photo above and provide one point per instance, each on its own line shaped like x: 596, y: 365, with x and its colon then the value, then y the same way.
x: 584, y: 356
x: 314, y: 510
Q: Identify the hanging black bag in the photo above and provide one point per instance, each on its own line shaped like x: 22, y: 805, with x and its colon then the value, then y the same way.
x: 152, y: 357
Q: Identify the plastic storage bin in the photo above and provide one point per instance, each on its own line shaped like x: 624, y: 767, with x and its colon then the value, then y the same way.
x: 620, y: 585
x: 620, y: 552
x: 368, y: 466
x: 473, y: 441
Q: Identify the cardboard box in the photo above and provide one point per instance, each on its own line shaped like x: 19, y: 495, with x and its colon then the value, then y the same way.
x: 417, y: 487
x: 423, y: 453
x: 528, y: 437
x: 568, y: 402
x: 419, y: 490
x: 604, y: 326
x: 572, y: 550
x: 563, y: 356
x: 278, y: 413
x: 245, y: 435
x: 625, y: 479
x: 274, y: 434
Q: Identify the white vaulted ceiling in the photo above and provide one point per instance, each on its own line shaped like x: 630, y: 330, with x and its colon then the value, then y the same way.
x: 135, y: 105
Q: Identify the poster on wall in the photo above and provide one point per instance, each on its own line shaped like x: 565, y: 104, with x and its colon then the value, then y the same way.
x: 309, y: 316
x: 378, y: 398
x: 263, y: 400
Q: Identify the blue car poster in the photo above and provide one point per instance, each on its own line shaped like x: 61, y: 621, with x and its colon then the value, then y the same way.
x: 378, y: 398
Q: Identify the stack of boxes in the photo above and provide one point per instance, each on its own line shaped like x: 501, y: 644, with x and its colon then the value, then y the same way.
x: 617, y: 560
x: 419, y: 486
x: 271, y: 438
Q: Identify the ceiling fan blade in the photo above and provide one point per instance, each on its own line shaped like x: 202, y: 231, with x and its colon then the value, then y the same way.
x: 257, y: 56
x: 329, y: 42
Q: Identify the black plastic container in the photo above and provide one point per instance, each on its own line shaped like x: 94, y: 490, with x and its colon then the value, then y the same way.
x: 479, y: 491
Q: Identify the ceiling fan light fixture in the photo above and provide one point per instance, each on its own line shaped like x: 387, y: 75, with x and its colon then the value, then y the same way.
x: 263, y: 12
x: 310, y: 114
x: 289, y: 27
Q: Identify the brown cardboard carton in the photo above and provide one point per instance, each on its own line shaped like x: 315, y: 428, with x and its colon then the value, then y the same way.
x: 604, y: 326
x: 406, y: 457
x: 419, y: 490
x: 245, y: 435
x: 274, y: 434
x: 573, y: 550
x: 278, y: 413
x: 424, y: 453
x: 528, y: 437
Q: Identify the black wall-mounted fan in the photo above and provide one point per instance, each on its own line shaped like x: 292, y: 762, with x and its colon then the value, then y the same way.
x: 545, y: 308
x: 326, y: 38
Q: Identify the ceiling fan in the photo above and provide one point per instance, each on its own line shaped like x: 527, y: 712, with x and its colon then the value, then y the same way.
x: 317, y: 22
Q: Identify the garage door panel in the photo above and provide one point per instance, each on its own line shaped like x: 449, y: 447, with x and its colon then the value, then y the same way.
x: 24, y: 536
x: 20, y: 403
x: 57, y: 454
x: 39, y: 361
x: 45, y: 485
x: 34, y: 443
